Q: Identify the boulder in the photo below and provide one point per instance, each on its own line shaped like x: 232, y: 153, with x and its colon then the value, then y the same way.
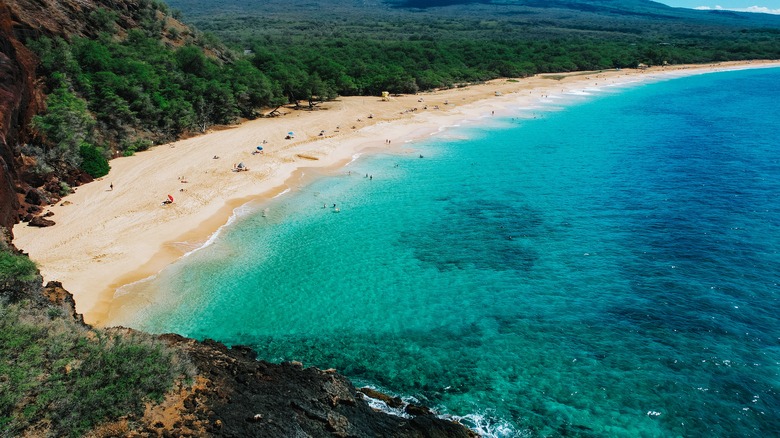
x: 33, y: 197
x: 393, y: 402
x: 415, y: 410
x: 38, y: 221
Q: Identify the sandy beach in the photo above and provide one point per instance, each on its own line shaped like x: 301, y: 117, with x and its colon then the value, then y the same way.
x: 117, y: 230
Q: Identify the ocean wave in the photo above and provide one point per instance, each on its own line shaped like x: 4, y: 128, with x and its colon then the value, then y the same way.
x: 283, y: 192
x: 488, y: 425
x: 125, y: 289
x: 579, y: 93
x: 238, y: 212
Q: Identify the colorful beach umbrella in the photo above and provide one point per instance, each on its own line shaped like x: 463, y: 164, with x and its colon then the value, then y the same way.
x: 290, y: 133
x: 259, y: 148
x: 170, y: 197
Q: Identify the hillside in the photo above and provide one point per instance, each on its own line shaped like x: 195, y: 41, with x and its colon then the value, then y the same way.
x: 87, y: 81
x: 551, y: 18
x: 327, y: 47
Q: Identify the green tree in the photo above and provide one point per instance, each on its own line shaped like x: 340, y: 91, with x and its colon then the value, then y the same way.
x: 93, y: 161
x: 65, y: 126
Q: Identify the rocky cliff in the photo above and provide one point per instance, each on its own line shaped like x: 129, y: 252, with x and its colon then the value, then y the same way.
x: 20, y: 99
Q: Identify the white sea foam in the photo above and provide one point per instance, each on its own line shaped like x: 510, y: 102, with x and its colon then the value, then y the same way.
x: 125, y: 289
x: 284, y: 192
x: 486, y: 425
x: 379, y: 405
x: 237, y: 213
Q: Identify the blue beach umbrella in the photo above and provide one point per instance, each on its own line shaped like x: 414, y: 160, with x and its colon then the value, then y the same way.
x: 259, y: 148
x: 290, y: 133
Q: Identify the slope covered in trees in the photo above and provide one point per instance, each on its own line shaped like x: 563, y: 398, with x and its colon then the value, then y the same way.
x: 329, y: 47
x: 118, y: 90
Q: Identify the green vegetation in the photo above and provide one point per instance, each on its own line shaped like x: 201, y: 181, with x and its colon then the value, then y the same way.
x: 93, y: 161
x: 122, y: 94
x: 408, y: 46
x: 118, y: 93
x: 113, y: 94
x: 55, y: 372
x: 16, y: 266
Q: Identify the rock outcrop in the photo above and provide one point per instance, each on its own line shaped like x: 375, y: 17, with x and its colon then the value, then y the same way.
x: 244, y: 397
x: 20, y: 99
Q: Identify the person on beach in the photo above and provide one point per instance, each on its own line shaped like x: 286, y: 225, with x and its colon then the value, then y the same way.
x: 111, y: 187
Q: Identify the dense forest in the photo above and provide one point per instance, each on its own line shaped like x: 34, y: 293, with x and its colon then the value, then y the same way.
x: 121, y: 91
x: 125, y: 90
x: 330, y: 47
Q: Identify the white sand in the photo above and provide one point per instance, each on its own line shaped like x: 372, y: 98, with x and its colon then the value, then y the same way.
x: 107, y: 238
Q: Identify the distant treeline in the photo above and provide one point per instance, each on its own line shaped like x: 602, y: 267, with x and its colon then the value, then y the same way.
x: 114, y: 94
x: 346, y: 66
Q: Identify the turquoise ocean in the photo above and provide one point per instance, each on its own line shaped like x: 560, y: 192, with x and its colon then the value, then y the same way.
x: 606, y: 263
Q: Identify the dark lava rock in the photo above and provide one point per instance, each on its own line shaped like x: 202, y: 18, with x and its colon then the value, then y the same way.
x: 393, y: 402
x: 417, y: 410
x: 33, y: 197
x: 281, y: 400
x: 38, y: 221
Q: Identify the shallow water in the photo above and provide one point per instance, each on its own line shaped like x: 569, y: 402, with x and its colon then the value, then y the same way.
x: 606, y: 267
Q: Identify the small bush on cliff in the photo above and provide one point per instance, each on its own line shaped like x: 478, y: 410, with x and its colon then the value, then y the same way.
x: 93, y: 161
x: 16, y: 266
x: 59, y: 375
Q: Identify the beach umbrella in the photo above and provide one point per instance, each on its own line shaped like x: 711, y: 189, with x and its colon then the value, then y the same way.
x: 259, y: 148
x: 170, y: 197
x: 290, y: 133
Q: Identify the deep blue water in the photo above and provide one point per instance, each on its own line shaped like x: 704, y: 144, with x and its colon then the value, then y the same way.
x: 607, y: 267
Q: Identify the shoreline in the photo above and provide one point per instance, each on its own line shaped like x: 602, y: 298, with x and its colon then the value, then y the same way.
x: 105, y: 239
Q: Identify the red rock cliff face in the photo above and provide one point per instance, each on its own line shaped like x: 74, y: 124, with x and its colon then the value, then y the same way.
x: 19, y: 101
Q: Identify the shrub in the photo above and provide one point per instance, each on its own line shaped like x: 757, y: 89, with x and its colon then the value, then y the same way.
x: 93, y: 161
x: 16, y: 266
x: 70, y: 378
